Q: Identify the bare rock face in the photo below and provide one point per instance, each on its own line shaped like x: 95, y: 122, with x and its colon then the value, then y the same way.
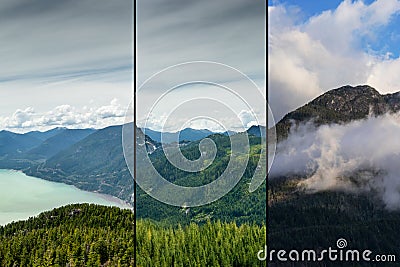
x: 393, y: 101
x: 341, y: 105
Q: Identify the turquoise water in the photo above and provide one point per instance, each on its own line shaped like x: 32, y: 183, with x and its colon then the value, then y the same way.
x: 22, y: 196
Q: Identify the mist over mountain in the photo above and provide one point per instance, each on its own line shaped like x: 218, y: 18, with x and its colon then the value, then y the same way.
x: 346, y: 139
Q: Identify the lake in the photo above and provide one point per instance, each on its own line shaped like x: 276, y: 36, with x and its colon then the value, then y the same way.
x: 22, y: 196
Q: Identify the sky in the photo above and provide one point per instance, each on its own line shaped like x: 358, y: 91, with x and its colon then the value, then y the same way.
x: 69, y: 63
x: 315, y: 46
x: 231, y: 33
x: 64, y: 63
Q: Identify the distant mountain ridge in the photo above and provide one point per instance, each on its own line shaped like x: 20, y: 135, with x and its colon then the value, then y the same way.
x: 22, y: 150
x: 62, y: 145
x: 187, y: 134
x: 58, y: 142
x: 46, y: 134
x: 12, y: 144
x: 94, y: 160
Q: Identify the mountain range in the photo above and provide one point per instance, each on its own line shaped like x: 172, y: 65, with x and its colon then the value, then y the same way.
x: 187, y: 134
x: 89, y: 159
x: 93, y: 160
x: 43, y: 145
x: 96, y: 163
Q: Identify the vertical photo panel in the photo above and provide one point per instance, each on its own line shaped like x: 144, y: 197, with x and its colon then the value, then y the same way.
x: 195, y: 134
x: 66, y: 194
x: 333, y: 189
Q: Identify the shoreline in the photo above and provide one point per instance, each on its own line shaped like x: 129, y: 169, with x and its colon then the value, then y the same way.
x: 109, y: 198
x: 120, y: 203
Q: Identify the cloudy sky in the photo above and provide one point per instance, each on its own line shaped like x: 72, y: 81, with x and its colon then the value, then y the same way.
x: 227, y: 32
x: 69, y: 63
x: 64, y: 63
x: 314, y: 46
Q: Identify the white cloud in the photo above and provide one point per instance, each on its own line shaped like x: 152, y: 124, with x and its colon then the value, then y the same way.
x: 248, y: 119
x: 20, y: 118
x: 385, y: 75
x: 340, y: 30
x: 327, y: 51
x: 66, y: 116
x: 110, y: 111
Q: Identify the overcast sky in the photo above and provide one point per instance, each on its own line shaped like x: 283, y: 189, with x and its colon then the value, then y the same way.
x: 228, y: 32
x: 315, y: 46
x: 69, y: 63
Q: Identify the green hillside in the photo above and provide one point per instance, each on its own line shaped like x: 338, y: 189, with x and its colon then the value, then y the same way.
x: 238, y: 205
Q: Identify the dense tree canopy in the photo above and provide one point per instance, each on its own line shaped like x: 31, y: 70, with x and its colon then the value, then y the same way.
x: 92, y: 235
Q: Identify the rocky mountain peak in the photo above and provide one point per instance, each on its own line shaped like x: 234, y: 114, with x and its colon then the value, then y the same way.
x: 341, y: 105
